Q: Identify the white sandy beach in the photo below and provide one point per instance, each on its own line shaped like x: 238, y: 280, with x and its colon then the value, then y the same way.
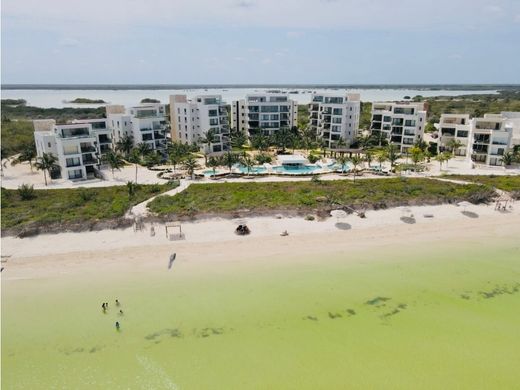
x: 214, y: 239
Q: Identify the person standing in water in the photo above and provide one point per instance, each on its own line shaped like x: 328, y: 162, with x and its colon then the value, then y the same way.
x: 117, y: 325
x: 117, y: 303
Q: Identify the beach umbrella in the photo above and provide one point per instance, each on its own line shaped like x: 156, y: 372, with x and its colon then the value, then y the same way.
x: 338, y: 213
x: 464, y: 204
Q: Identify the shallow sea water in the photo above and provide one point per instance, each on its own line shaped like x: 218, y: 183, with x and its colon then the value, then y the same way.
x: 404, y: 318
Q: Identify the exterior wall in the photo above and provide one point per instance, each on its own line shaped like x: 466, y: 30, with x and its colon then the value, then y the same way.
x: 491, y: 138
x: 192, y: 119
x: 146, y: 123
x: 402, y: 124
x: 335, y: 117
x: 264, y: 113
x: 102, y: 133
x: 455, y: 126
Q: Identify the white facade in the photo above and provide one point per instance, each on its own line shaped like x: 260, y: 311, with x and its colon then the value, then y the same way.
x: 333, y: 117
x: 492, y: 137
x: 75, y: 145
x: 264, y: 113
x: 458, y: 127
x: 145, y: 123
x: 402, y: 123
x: 191, y: 119
x: 484, y: 140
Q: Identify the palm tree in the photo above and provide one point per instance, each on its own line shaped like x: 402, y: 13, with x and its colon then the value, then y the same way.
x: 364, y: 140
x: 213, y: 162
x: 283, y: 138
x: 260, y: 142
x: 190, y: 164
x: 342, y: 160
x: 47, y: 163
x: 152, y: 159
x: 143, y: 148
x: 229, y: 159
x: 248, y: 162
x: 206, y: 140
x: 124, y: 145
x: 238, y: 139
x: 453, y: 144
x: 369, y: 157
x: 381, y: 158
x: 440, y: 158
x: 114, y: 160
x: 447, y: 157
x: 355, y: 160
x: 135, y: 158
x: 28, y: 154
x: 392, y: 155
x: 175, y: 157
x: 416, y: 154
x: 508, y: 158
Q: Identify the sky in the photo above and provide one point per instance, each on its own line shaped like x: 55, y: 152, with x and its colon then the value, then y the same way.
x: 260, y: 41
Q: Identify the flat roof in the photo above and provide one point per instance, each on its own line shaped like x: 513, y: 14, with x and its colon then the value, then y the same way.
x: 291, y: 159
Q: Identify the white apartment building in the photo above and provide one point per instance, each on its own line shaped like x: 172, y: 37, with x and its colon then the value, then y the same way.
x: 264, y: 113
x: 334, y: 117
x: 458, y: 127
x: 145, y: 123
x: 75, y: 145
x: 401, y: 123
x: 191, y: 119
x: 492, y: 137
x: 484, y: 140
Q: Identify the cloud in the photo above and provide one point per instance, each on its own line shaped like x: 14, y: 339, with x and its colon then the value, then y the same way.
x: 244, y: 4
x: 69, y: 42
x: 267, y: 61
x: 239, y: 59
x: 295, y: 34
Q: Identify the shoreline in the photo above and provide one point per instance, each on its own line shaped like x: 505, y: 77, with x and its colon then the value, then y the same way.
x: 215, y: 236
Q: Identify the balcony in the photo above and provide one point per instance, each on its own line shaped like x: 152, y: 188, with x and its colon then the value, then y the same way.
x: 158, y: 135
x: 105, y: 140
x: 89, y: 160
x: 88, y: 149
x: 500, y: 143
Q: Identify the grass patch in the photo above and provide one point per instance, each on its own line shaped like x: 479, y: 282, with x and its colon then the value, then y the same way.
x: 504, y: 183
x: 307, y: 196
x: 66, y: 207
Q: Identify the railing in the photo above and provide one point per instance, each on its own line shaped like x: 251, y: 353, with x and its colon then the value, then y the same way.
x: 88, y: 149
x: 74, y: 164
x: 499, y: 143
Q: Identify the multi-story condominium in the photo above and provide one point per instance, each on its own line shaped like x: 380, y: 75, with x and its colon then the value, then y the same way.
x: 264, y: 113
x: 191, y: 119
x: 75, y: 145
x: 455, y: 127
x: 335, y: 117
x: 101, y: 131
x: 491, y: 137
x: 402, y: 123
x: 484, y: 140
x: 143, y: 124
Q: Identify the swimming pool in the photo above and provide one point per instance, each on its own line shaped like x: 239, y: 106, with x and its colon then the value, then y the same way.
x: 295, y: 170
x: 254, y: 169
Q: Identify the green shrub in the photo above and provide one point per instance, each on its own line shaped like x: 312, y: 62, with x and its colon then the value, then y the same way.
x: 26, y: 192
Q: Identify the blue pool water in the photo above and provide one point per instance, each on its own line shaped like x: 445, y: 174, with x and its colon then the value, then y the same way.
x: 301, y: 169
x: 254, y: 169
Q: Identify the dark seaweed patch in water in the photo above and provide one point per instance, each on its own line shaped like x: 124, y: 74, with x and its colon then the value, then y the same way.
x: 95, y: 349
x: 351, y: 312
x: 207, y: 332
x: 465, y: 296
x: 333, y: 316
x: 378, y: 301
x: 69, y: 351
x: 398, y: 309
x: 164, y: 332
x: 312, y: 318
x: 500, y: 290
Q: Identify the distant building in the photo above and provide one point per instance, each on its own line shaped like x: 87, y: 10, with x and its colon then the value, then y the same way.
x: 335, y: 117
x: 264, y: 113
x: 77, y: 146
x: 401, y: 123
x: 191, y: 119
x: 455, y: 127
x: 484, y: 140
x: 146, y: 123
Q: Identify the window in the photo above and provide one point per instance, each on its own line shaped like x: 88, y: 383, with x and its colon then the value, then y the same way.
x: 336, y: 120
x: 49, y: 144
x: 75, y: 174
x: 409, y: 122
x: 213, y: 121
x: 462, y: 134
x: 387, y: 118
x: 337, y: 111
